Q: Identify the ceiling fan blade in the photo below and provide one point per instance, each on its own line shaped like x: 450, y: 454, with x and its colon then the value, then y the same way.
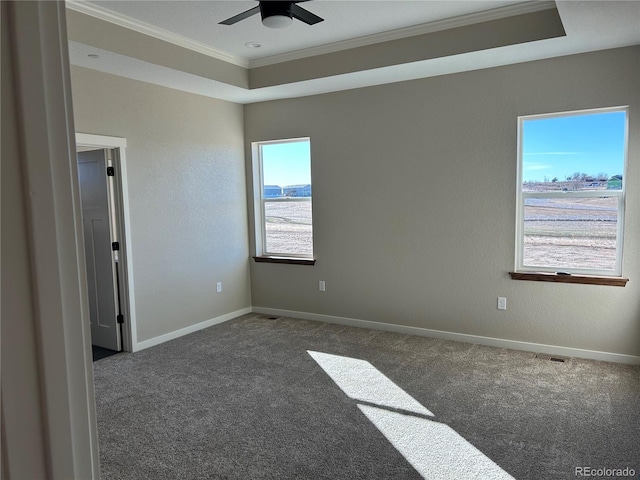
x: 241, y: 16
x: 305, y: 15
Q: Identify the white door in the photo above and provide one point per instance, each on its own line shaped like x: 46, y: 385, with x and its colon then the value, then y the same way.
x: 95, y: 199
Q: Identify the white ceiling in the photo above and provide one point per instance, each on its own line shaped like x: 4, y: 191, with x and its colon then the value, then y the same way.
x: 589, y: 25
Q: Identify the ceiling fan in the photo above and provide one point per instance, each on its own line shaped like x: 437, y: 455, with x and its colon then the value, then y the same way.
x: 277, y: 14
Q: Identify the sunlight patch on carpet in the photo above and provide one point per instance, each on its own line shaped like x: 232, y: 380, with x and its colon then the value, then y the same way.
x: 360, y: 380
x: 434, y: 449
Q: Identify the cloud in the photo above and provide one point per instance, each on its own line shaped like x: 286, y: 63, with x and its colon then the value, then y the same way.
x: 536, y: 166
x: 552, y: 153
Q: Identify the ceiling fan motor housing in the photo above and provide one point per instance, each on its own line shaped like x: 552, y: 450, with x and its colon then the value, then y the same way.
x: 277, y: 14
x: 276, y: 9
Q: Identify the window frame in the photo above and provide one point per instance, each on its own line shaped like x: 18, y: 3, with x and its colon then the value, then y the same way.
x: 261, y: 252
x: 521, y: 197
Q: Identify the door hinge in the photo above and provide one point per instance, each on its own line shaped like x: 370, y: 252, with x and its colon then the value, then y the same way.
x: 110, y: 172
x: 115, y: 246
x: 120, y: 318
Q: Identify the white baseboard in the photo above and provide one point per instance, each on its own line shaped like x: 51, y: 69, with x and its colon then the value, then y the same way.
x: 193, y: 328
x: 390, y: 327
x: 459, y: 337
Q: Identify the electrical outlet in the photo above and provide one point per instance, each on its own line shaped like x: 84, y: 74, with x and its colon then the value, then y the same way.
x: 321, y: 286
x: 219, y: 287
x: 502, y: 303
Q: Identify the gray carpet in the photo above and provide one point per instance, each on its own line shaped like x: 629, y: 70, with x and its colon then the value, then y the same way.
x: 245, y: 400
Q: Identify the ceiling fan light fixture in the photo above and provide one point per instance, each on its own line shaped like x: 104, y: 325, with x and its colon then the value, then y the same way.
x: 277, y: 14
x: 277, y: 21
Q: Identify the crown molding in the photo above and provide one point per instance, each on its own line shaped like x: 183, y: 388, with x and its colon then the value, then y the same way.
x: 153, y: 31
x: 439, y: 25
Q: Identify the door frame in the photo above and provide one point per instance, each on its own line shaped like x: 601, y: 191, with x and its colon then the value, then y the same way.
x: 121, y: 200
x: 48, y: 418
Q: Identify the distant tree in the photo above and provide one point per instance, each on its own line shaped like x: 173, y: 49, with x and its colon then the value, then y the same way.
x: 603, y: 176
x: 554, y: 179
x: 546, y: 179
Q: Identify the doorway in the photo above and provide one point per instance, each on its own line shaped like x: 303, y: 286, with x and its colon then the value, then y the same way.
x: 103, y: 200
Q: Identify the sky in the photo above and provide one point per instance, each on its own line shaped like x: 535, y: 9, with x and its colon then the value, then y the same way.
x: 559, y: 146
x: 286, y: 163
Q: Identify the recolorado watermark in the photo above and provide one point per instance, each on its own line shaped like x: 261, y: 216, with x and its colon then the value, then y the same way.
x: 595, y: 472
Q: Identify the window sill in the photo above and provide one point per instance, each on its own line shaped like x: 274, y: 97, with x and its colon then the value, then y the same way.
x: 573, y: 278
x: 287, y: 260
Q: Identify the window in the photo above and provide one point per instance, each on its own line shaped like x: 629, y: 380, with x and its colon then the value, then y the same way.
x: 282, y: 193
x: 571, y: 188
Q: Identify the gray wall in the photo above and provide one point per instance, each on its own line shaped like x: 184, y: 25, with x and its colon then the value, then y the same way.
x: 99, y: 33
x: 414, y: 204
x: 185, y: 162
x: 528, y: 27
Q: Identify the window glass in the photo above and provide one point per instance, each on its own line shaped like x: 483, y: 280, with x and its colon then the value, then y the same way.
x: 577, y: 152
x: 571, y: 192
x: 561, y: 233
x: 286, y: 198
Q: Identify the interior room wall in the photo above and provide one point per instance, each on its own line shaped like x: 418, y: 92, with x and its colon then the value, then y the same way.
x: 414, y: 204
x: 109, y: 36
x: 186, y: 177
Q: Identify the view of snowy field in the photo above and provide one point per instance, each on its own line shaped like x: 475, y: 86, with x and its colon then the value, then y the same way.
x: 289, y: 226
x: 571, y: 232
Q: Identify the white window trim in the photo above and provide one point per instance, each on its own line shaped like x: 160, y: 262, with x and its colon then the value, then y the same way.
x: 259, y: 200
x: 521, y: 196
